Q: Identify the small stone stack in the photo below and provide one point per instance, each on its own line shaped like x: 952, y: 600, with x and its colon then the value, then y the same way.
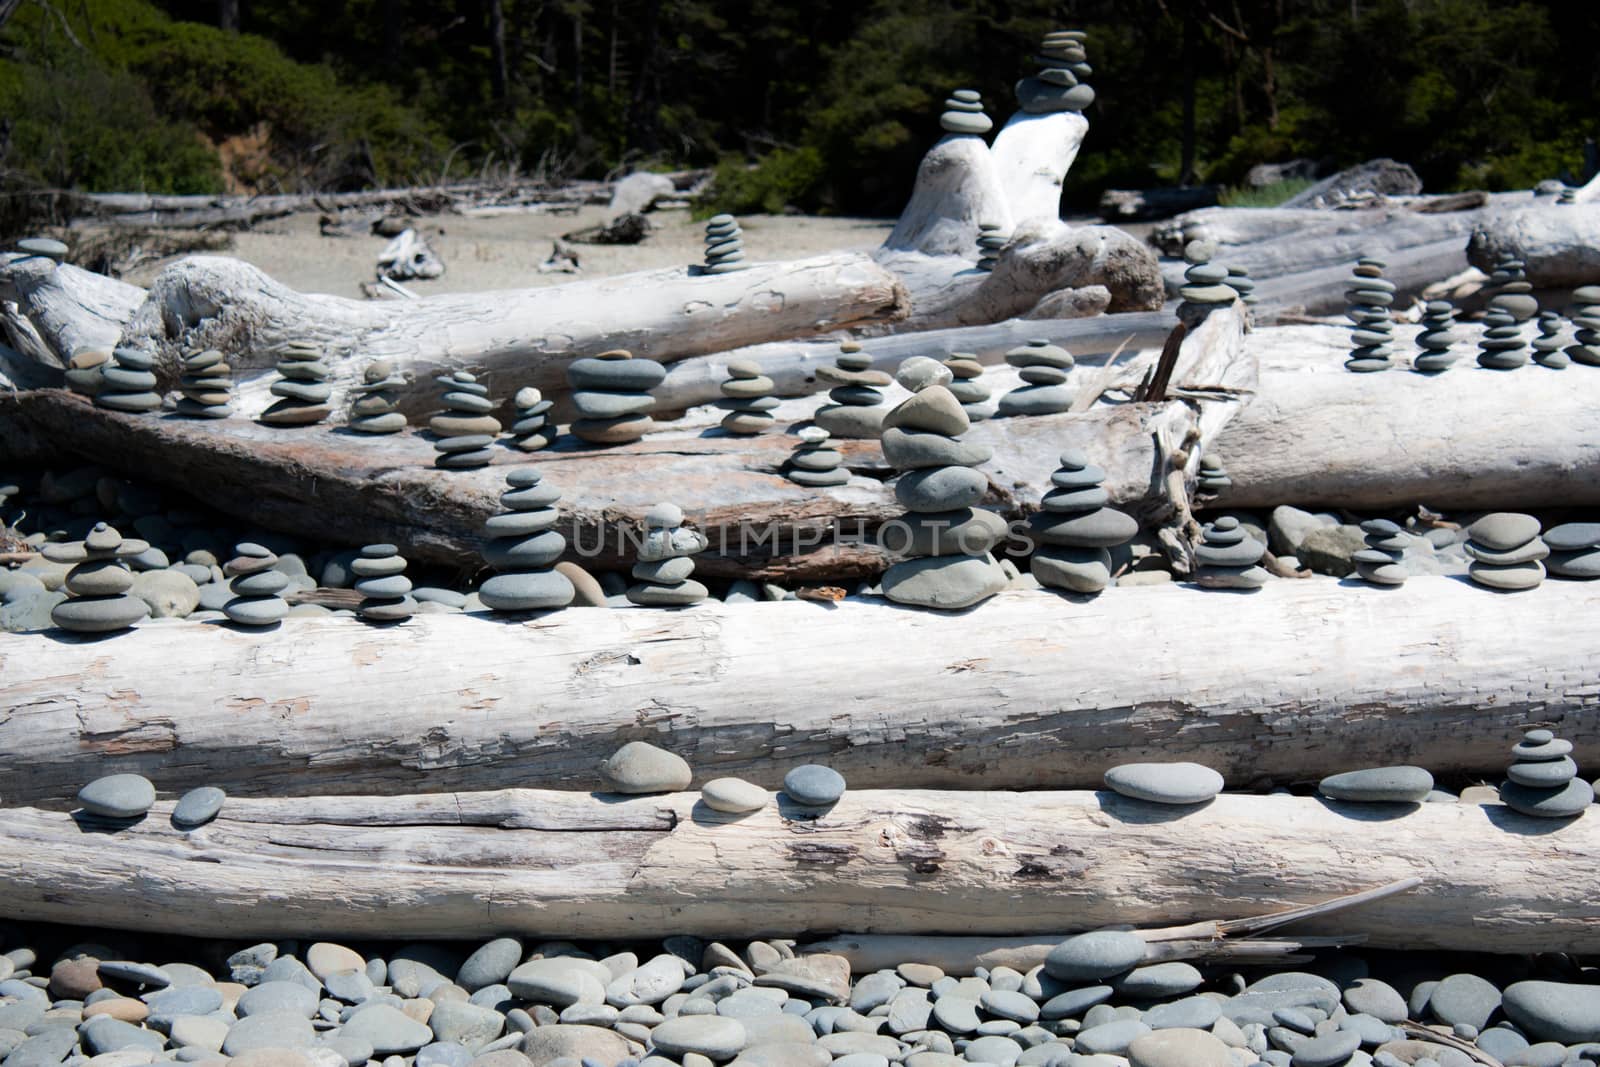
x: 1206, y: 287
x: 255, y: 586
x: 1077, y: 529
x: 967, y: 385
x: 381, y: 580
x: 949, y: 540
x: 815, y: 463
x: 302, y: 385
x: 1229, y: 557
x: 1060, y: 84
x: 724, y: 246
x: 1370, y: 296
x: 612, y: 394
x: 1586, y: 320
x: 992, y: 240
x: 1514, y: 293
x: 1044, y: 391
x: 1213, y: 477
x: 1240, y: 282
x: 1506, y: 551
x: 1543, y: 779
x: 206, y: 384
x: 376, y: 407
x: 963, y: 113
x: 48, y: 247
x: 523, y: 546
x: 1574, y: 549
x: 466, y: 429
x: 1436, y: 338
x: 99, y: 583
x: 857, y: 409
x: 665, y: 569
x: 1502, y: 346
x: 530, y: 429
x: 85, y: 370
x: 128, y: 382
x: 1547, y: 347
x: 1380, y: 562
x: 747, y: 398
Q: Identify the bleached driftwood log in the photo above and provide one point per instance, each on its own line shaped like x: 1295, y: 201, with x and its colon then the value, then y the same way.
x: 572, y: 865
x: 1321, y: 290
x: 1032, y: 154
x: 69, y: 307
x: 957, y: 188
x: 1559, y: 244
x: 1299, y: 680
x: 1240, y: 226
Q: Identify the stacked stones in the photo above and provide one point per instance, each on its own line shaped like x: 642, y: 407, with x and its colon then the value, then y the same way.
x: 128, y: 382
x: 1059, y: 85
x: 1574, y: 549
x: 966, y: 385
x: 1240, y: 282
x: 724, y: 246
x: 206, y: 385
x: 1370, y: 295
x: 665, y: 569
x: 1229, y: 557
x: 302, y: 385
x: 1077, y: 529
x: 1044, y: 391
x: 255, y: 586
x: 612, y: 394
x: 747, y: 398
x: 381, y: 580
x: 949, y: 565
x: 1506, y: 549
x: 466, y: 429
x: 530, y: 429
x: 1514, y: 293
x: 523, y: 547
x: 1543, y: 779
x: 85, y: 370
x: 856, y: 411
x: 376, y: 408
x: 992, y: 240
x: 1435, y: 339
x: 1380, y: 562
x: 1502, y: 346
x: 1213, y: 477
x: 963, y: 113
x: 1547, y: 347
x: 1206, y: 288
x: 1586, y: 318
x: 815, y: 463
x: 99, y: 582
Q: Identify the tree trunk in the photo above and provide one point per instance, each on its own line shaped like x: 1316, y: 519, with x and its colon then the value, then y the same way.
x: 228, y: 15
x: 499, y: 75
x: 1559, y: 244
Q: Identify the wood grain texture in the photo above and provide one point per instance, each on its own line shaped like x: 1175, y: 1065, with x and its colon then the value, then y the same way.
x: 1558, y: 244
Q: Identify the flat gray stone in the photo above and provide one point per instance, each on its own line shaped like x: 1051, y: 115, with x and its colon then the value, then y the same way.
x: 1110, y: 1039
x: 556, y: 981
x: 1504, y: 530
x: 1095, y: 955
x: 198, y: 807
x: 387, y: 1029
x: 43, y: 1050
x: 1010, y: 1004
x: 1464, y: 998
x: 1178, y: 1047
x: 1159, y: 980
x: 118, y: 796
x: 714, y: 1036
x: 1394, y: 785
x: 733, y: 796
x: 1326, y: 1051
x: 278, y: 996
x: 1379, y: 999
x: 465, y: 1024
x: 1165, y: 783
x: 1193, y: 1013
x: 814, y: 785
x: 1571, y: 799
x: 640, y: 767
x: 944, y: 583
x: 491, y: 963
x: 270, y: 1030
x: 993, y: 1049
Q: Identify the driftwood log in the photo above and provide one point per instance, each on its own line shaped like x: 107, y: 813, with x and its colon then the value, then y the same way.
x: 1299, y: 680
x: 576, y: 865
x: 1559, y: 244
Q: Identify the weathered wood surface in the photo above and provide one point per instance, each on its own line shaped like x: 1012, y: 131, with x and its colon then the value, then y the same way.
x: 1296, y: 681
x: 575, y: 865
x: 1321, y: 290
x: 1559, y: 244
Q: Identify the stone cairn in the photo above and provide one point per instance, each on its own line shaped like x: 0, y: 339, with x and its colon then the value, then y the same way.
x: 1043, y: 370
x: 1060, y: 84
x: 612, y: 394
x: 48, y: 247
x: 1543, y: 781
x: 376, y: 407
x: 99, y: 583
x: 747, y: 398
x: 255, y: 587
x: 949, y: 565
x: 815, y: 463
x: 1513, y: 291
x: 724, y: 246
x: 1574, y: 549
x: 466, y: 428
x: 1228, y: 557
x: 530, y: 430
x: 206, y: 385
x: 992, y: 240
x: 85, y: 370
x: 857, y: 409
x: 963, y: 113
x: 1240, y: 282
x: 382, y: 582
x: 1502, y: 346
x: 666, y: 566
x: 1436, y: 338
x: 1380, y: 562
x: 1586, y: 320
x: 302, y: 386
x: 1547, y: 347
x: 1205, y: 287
x: 967, y: 384
x: 1506, y: 551
x: 1213, y: 477
x: 1077, y: 529
x: 523, y: 546
x: 1372, y: 333
x: 128, y: 382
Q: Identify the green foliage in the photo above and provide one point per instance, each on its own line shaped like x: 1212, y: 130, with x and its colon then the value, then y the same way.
x: 783, y: 178
x: 1266, y: 196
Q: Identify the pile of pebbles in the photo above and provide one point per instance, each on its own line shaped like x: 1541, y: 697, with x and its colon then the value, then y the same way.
x: 963, y: 114
x: 1372, y: 333
x: 375, y: 408
x: 665, y: 570
x: 467, y: 428
x: 815, y: 463
x: 523, y: 546
x: 1382, y: 561
x: 302, y: 387
x: 256, y: 587
x: 967, y: 386
x: 1228, y: 557
x: 381, y: 580
x: 128, y: 382
x: 1506, y: 551
x: 1543, y: 779
x: 992, y: 240
x: 855, y: 409
x: 747, y: 398
x: 1060, y: 84
x: 724, y: 246
x: 1075, y: 529
x: 1548, y: 348
x: 1436, y: 338
x: 1586, y: 322
x: 1574, y: 550
x: 1043, y: 368
x: 207, y: 385
x: 98, y: 582
x: 612, y: 394
x: 531, y: 431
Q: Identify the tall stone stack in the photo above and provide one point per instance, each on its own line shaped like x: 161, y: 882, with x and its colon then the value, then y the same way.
x: 1586, y: 322
x: 207, y: 386
x: 1436, y: 338
x: 612, y: 394
x: 968, y: 386
x: 302, y: 387
x: 128, y: 382
x: 256, y: 586
x: 1372, y: 333
x: 948, y: 537
x: 98, y: 583
x: 531, y: 430
x: 1228, y: 557
x: 1060, y: 84
x: 1506, y: 551
x: 466, y: 429
x: 856, y: 411
x: 1502, y: 346
x: 1213, y: 477
x: 375, y: 408
x: 381, y: 580
x: 724, y: 246
x: 1513, y: 291
x: 1381, y: 561
x: 1206, y: 285
x: 1043, y: 369
x: 85, y: 370
x: 1076, y: 529
x: 963, y: 113
x: 747, y: 398
x: 523, y: 547
x: 666, y: 561
x: 1543, y: 781
x: 1548, y: 346
x: 992, y: 240
x: 815, y: 463
x: 1574, y: 550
